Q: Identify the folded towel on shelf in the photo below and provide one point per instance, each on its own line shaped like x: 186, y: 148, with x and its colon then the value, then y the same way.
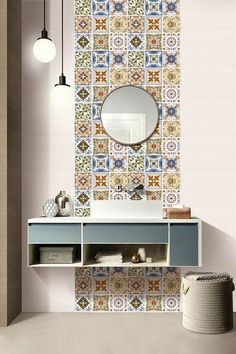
x: 108, y: 257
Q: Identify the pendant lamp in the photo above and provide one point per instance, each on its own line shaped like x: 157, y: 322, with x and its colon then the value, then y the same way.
x: 44, y: 49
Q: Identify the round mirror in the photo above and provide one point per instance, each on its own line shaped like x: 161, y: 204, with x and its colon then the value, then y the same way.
x: 129, y: 115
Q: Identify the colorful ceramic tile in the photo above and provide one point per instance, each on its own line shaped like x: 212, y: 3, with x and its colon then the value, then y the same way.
x: 136, y: 272
x: 100, y: 24
x: 83, y: 94
x: 136, y: 285
x: 99, y: 93
x: 83, y: 285
x: 153, y: 163
x: 171, y: 76
x: 83, y: 164
x: 153, y: 7
x: 116, y: 148
x: 136, y: 24
x: 101, y: 59
x: 156, y: 92
x: 82, y: 212
x: 171, y: 41
x: 135, y: 163
x: 118, y: 163
x: 171, y: 285
x: 171, y: 180
x: 171, y: 7
x: 171, y: 145
x: 101, y: 163
x: 118, y: 303
x: 118, y: 179
x: 153, y: 24
x: 154, y: 42
x: 83, y: 24
x: 100, y: 181
x: 118, y: 195
x: 101, y: 41
x: 100, y: 271
x: 153, y: 181
x: 153, y: 286
x: 96, y: 111
x: 171, y: 111
x: 171, y: 93
x: 154, y: 195
x: 118, y: 285
x: 83, y: 303
x: 171, y: 272
x: 136, y: 178
x: 82, y: 272
x: 171, y: 129
x: 82, y: 7
x: 118, y: 42
x: 154, y: 77
x: 100, y: 285
x: 82, y: 41
x: 118, y: 77
x: 83, y: 146
x: 153, y: 59
x: 98, y: 130
x: 136, y: 303
x: 136, y: 41
x: 171, y: 59
x: 101, y: 195
x: 118, y: 24
x: 171, y: 24
x: 171, y: 163
x: 82, y: 198
x: 83, y: 76
x: 136, y: 76
x: 118, y: 59
x: 153, y: 303
x: 136, y: 59
x: 100, y: 7
x: 171, y: 197
x: 138, y: 149
x: 171, y: 303
x: 83, y: 128
x: 83, y: 59
x: 154, y: 146
x: 100, y: 303
x: 101, y: 146
x: 136, y: 7
x: 82, y: 112
x: 118, y: 271
x: 153, y: 272
x: 83, y: 181
x: 118, y: 7
x: 100, y: 76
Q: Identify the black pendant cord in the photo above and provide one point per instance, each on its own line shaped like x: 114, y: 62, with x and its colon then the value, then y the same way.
x: 44, y: 14
x: 62, y: 39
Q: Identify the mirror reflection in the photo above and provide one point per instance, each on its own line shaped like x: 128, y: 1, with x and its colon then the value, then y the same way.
x: 129, y: 115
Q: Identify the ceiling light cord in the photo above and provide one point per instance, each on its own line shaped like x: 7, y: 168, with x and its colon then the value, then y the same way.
x: 62, y: 37
x: 44, y: 14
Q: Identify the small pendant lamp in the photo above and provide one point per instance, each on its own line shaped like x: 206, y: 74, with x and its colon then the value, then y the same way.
x: 44, y: 49
x: 61, y: 94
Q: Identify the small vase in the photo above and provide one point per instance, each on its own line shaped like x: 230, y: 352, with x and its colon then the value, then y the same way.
x: 50, y: 208
x: 142, y: 254
x: 63, y: 202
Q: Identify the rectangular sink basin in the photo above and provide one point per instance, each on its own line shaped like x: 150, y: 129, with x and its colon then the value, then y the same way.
x: 127, y: 209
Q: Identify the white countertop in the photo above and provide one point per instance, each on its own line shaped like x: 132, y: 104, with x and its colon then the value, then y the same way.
x: 90, y: 219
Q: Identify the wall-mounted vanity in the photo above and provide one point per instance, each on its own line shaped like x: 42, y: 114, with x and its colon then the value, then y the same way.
x: 168, y: 242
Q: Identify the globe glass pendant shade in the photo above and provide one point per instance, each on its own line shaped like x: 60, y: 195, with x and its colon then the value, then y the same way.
x: 61, y: 95
x: 44, y: 50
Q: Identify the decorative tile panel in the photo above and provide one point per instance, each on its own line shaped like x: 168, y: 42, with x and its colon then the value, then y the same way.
x: 122, y: 42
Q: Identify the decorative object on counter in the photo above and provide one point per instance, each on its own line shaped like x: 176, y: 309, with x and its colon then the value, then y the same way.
x: 135, y: 258
x: 57, y: 255
x: 142, y: 254
x: 135, y: 187
x: 44, y: 49
x: 148, y: 259
x: 207, y: 302
x: 63, y: 202
x: 110, y: 257
x: 50, y: 208
x: 178, y: 213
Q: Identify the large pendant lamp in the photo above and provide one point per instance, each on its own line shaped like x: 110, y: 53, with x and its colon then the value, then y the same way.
x: 44, y: 49
x: 61, y: 94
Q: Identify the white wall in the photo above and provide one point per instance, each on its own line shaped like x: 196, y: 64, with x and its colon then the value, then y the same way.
x: 208, y: 137
x: 208, y: 145
x: 48, y: 147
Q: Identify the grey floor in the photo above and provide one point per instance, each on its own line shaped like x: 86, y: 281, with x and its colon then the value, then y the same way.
x: 98, y: 333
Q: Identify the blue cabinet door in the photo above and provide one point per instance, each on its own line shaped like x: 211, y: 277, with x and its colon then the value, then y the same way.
x: 184, y: 244
x: 54, y: 233
x: 125, y: 233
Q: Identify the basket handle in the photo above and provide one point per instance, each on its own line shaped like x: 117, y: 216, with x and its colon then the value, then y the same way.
x: 184, y: 290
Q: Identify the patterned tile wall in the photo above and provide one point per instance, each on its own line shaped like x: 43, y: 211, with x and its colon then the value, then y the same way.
x: 120, y: 42
x: 127, y: 289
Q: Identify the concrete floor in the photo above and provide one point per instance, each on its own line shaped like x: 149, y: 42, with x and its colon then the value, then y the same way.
x: 98, y: 333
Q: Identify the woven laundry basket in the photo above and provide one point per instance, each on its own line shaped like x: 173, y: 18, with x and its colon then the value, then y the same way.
x: 207, y: 304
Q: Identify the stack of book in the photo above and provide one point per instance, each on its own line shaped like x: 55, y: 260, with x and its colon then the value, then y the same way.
x: 111, y: 257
